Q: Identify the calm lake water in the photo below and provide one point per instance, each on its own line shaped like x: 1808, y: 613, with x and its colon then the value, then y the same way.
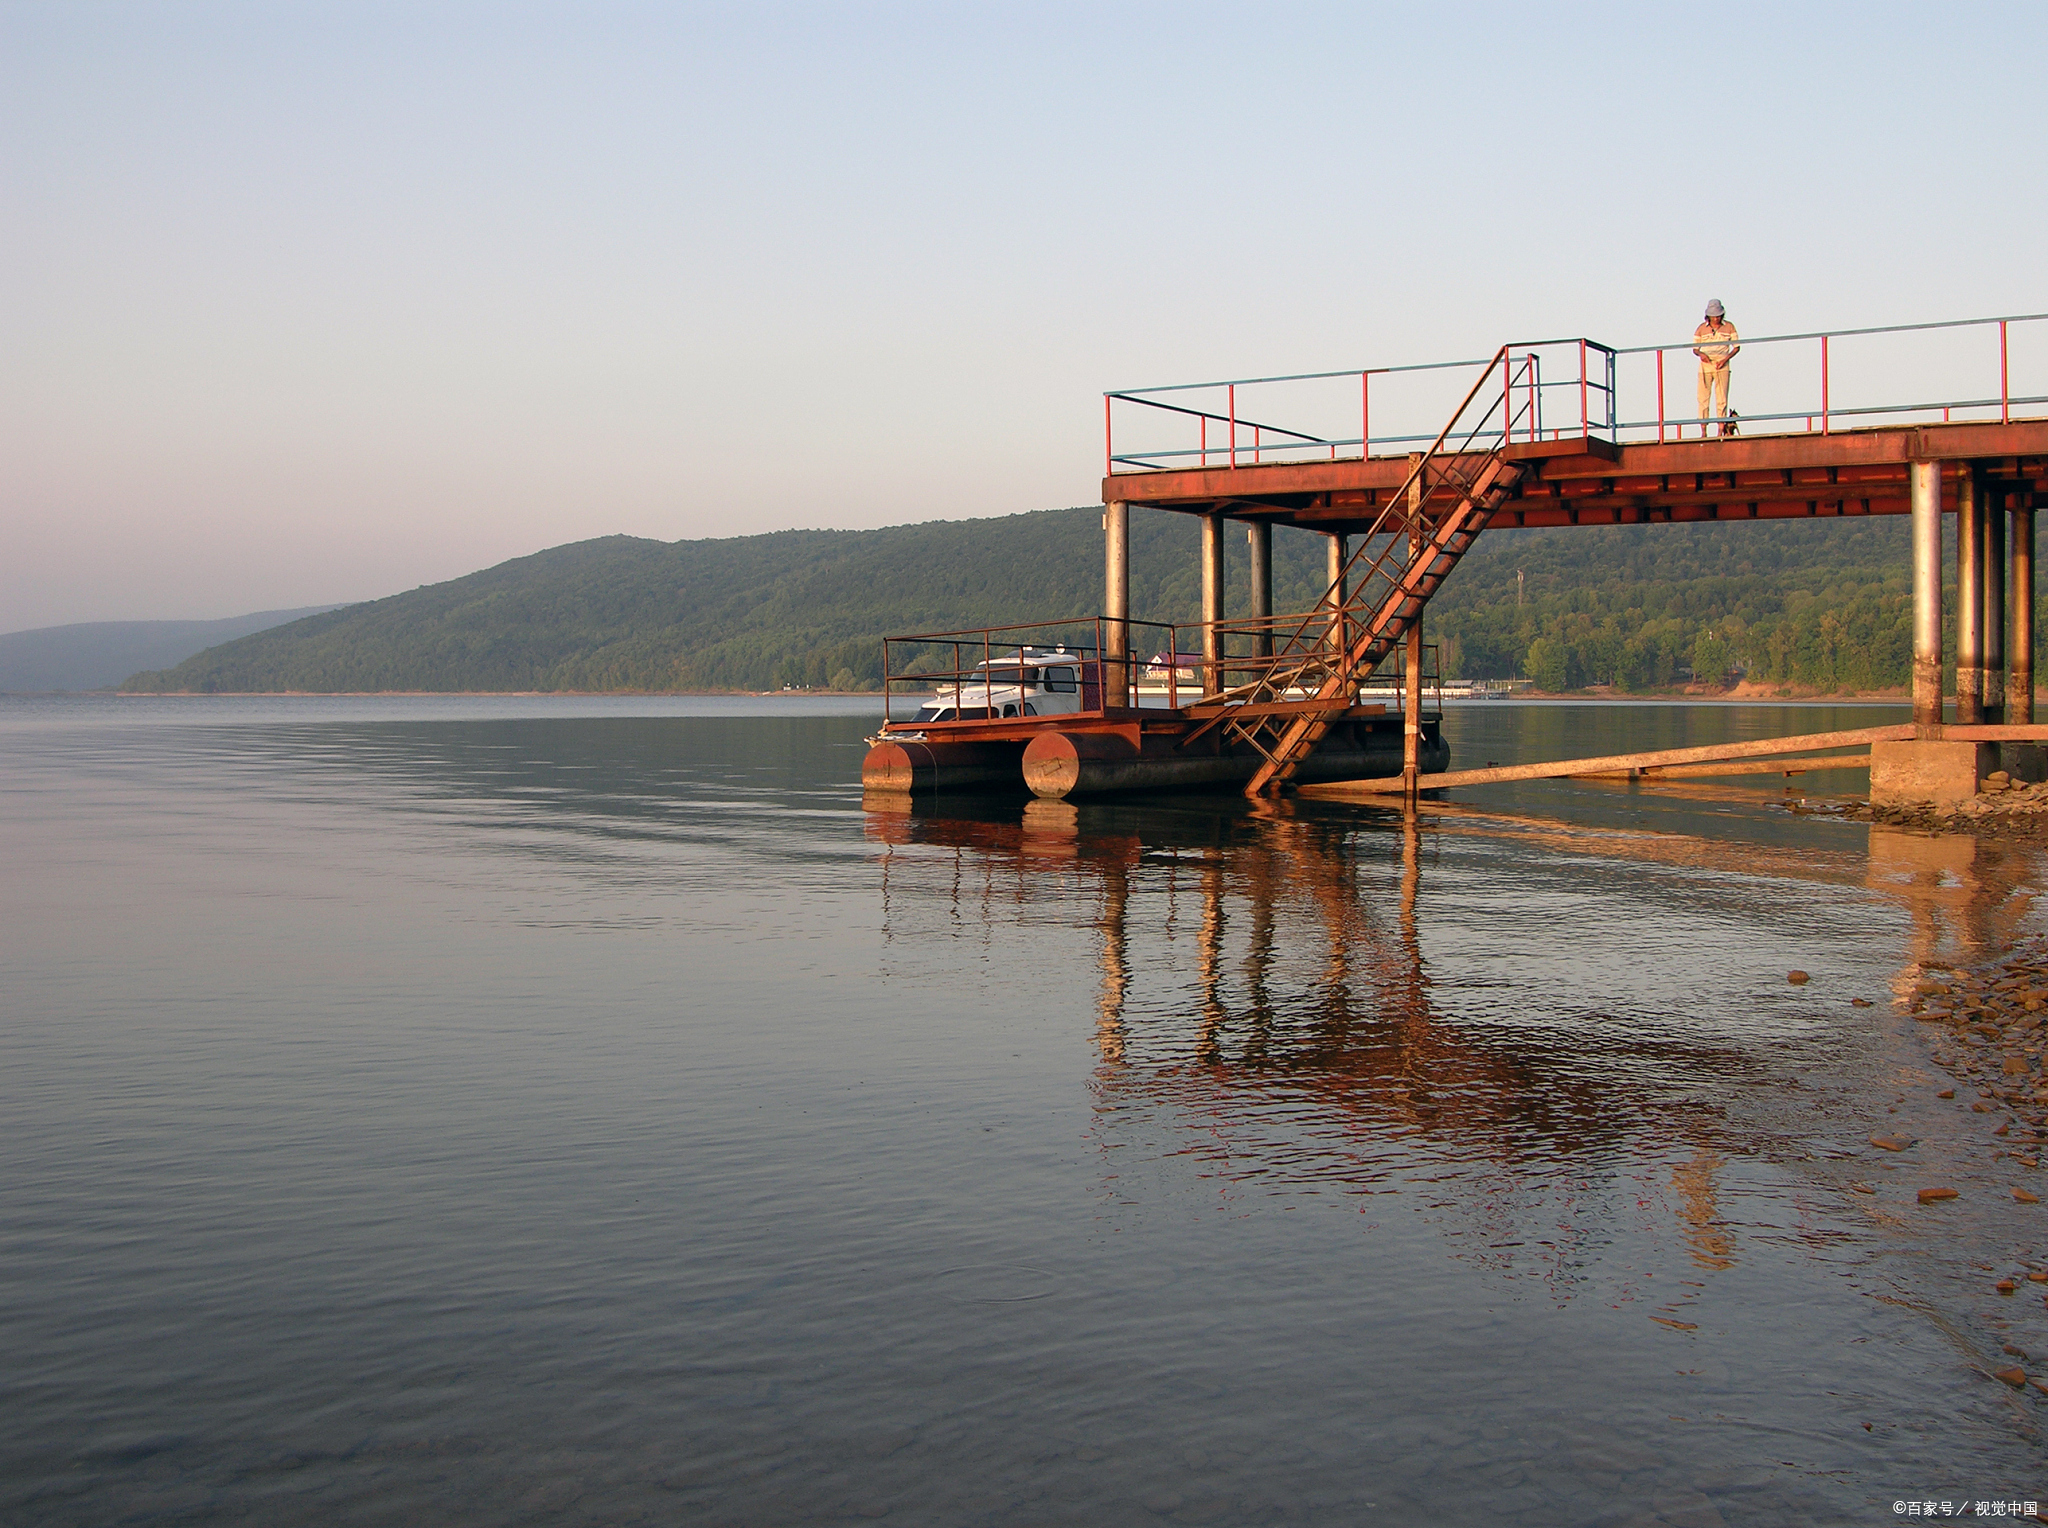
x: 471, y: 1111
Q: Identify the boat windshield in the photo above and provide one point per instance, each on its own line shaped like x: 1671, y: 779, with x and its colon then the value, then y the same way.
x: 1010, y: 672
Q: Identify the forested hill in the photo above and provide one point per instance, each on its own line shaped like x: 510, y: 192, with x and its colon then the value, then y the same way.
x: 95, y: 655
x: 1820, y: 604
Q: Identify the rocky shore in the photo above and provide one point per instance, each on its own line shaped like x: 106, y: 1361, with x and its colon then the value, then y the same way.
x: 1990, y: 1026
x: 2001, y: 805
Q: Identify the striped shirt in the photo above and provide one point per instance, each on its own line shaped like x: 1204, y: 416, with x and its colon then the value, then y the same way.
x: 1715, y: 343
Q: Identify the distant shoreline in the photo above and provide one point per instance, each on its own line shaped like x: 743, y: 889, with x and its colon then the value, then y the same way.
x: 469, y: 694
x: 1740, y: 695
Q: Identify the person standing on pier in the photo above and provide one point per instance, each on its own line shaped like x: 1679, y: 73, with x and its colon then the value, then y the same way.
x: 1715, y: 343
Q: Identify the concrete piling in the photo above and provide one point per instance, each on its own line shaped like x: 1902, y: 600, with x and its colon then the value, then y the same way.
x: 1212, y: 603
x: 1925, y: 482
x: 1411, y: 689
x: 1116, y: 604
x: 1260, y: 534
x: 1991, y: 523
x: 2019, y: 681
x: 1969, y: 604
x: 1339, y: 553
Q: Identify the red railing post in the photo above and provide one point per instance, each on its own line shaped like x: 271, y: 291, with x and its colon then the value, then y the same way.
x: 1584, y: 429
x: 2004, y: 379
x: 1233, y: 424
x: 1535, y: 412
x: 1364, y: 414
x: 1660, y: 395
x: 1205, y: 440
x: 1826, y: 428
x: 1255, y: 445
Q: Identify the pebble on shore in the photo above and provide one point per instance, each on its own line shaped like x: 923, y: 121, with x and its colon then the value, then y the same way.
x: 1995, y: 1023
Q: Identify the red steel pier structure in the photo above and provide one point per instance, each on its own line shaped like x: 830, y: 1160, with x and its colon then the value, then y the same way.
x: 1905, y: 420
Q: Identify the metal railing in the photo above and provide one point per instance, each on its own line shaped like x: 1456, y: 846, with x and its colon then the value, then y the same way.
x: 1390, y: 680
x: 1373, y: 572
x: 1822, y: 377
x: 968, y: 669
x: 1619, y: 394
x: 956, y: 664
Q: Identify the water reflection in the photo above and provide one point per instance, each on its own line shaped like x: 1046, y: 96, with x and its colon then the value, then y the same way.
x: 1265, y: 998
x: 1296, y: 1002
x: 611, y: 1114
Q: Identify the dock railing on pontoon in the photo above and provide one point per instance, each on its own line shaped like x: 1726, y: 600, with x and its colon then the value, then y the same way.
x: 1162, y: 671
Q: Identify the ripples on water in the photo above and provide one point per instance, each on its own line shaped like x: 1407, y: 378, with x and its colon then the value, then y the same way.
x: 471, y: 1111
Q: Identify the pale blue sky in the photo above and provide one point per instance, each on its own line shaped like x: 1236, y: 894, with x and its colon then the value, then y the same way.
x: 310, y: 303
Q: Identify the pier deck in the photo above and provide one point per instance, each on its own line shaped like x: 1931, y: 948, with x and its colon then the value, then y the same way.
x: 1591, y: 481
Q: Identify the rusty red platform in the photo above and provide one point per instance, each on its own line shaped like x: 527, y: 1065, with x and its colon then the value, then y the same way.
x: 1588, y: 481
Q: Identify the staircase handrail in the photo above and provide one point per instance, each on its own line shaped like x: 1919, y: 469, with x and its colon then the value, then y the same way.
x: 1307, y: 636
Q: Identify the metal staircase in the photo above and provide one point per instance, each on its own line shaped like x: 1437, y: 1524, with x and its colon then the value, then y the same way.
x: 1318, y: 661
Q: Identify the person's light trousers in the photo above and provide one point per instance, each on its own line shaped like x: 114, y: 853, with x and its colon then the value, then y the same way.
x: 1714, y: 391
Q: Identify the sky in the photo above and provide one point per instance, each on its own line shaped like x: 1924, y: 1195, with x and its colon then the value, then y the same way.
x: 310, y: 303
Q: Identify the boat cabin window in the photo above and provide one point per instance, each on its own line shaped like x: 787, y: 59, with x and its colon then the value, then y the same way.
x: 1062, y: 681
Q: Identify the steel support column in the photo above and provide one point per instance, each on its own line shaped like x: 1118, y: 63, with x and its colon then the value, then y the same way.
x: 2019, y: 673
x: 1411, y: 712
x: 1116, y: 604
x: 1991, y: 520
x: 1339, y: 551
x: 1925, y: 482
x: 1969, y: 603
x: 1259, y: 533
x: 1212, y: 603
x: 1411, y: 688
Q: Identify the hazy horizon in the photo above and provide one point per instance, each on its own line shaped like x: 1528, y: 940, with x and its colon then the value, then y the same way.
x: 326, y: 304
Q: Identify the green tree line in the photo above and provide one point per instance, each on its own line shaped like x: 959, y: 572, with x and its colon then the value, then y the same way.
x: 1822, y: 604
